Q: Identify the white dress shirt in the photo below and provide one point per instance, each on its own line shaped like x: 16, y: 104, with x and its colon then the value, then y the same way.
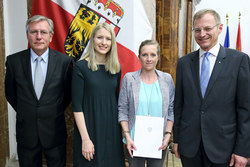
x: 44, y: 63
x: 212, y: 57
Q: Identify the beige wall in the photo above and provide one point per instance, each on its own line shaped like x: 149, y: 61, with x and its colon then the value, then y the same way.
x: 150, y: 8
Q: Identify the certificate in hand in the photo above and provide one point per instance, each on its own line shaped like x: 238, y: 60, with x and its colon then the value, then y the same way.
x: 148, y: 136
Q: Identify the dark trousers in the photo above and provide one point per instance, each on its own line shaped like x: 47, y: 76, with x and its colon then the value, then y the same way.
x: 200, y: 160
x: 140, y: 161
x: 55, y: 157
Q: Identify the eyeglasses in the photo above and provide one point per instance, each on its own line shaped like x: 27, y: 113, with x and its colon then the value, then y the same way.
x: 206, y: 29
x: 36, y: 32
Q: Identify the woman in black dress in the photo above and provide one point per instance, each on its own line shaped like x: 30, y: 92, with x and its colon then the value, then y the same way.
x: 95, y: 88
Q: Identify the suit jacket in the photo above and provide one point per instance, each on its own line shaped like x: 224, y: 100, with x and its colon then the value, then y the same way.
x: 222, y: 119
x: 39, y: 119
x: 129, y: 97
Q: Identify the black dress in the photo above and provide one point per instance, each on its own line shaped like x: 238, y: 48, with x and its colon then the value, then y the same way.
x: 95, y: 93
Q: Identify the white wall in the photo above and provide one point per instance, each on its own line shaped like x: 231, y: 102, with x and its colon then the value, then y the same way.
x: 232, y: 7
x: 15, y: 15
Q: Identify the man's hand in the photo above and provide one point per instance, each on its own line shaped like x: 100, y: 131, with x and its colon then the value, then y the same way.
x: 175, y: 149
x: 238, y: 161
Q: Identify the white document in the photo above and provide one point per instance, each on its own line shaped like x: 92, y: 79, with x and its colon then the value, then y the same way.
x: 148, y: 136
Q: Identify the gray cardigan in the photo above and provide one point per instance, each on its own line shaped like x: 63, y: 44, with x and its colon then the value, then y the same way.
x: 129, y: 97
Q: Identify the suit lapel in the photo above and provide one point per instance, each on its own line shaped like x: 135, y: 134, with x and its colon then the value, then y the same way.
x: 194, y: 65
x: 219, y: 63
x: 27, y: 71
x: 50, y: 69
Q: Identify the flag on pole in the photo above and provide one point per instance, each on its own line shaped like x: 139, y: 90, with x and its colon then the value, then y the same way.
x: 75, y: 19
x: 227, y: 41
x: 238, y: 41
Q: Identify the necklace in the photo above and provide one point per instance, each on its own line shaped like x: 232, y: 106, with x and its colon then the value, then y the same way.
x: 148, y: 97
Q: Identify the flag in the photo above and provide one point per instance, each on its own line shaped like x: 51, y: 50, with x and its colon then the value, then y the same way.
x: 238, y: 42
x: 227, y: 41
x: 75, y: 19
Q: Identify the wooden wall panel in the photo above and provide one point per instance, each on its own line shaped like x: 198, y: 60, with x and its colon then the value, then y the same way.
x: 187, y: 28
x: 4, y: 130
x: 188, y: 42
x: 29, y: 7
x: 167, y: 14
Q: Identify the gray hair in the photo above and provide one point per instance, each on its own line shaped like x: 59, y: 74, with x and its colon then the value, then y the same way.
x: 37, y: 18
x: 202, y: 12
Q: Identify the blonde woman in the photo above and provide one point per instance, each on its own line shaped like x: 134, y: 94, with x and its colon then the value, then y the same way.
x: 95, y: 88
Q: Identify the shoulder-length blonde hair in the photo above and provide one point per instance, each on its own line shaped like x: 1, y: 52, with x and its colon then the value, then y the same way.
x: 112, y: 63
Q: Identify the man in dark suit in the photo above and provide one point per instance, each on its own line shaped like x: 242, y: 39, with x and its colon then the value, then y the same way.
x: 212, y: 100
x: 39, y: 93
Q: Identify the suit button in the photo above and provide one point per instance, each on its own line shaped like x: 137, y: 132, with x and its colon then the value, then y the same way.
x: 202, y: 112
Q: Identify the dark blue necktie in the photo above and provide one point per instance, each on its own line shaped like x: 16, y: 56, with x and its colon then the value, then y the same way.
x: 205, y: 71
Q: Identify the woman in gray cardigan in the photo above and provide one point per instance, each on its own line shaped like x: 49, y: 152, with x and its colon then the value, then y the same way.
x: 146, y: 92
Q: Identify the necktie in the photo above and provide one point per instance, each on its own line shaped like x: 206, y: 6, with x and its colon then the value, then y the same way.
x: 39, y: 80
x: 205, y: 72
